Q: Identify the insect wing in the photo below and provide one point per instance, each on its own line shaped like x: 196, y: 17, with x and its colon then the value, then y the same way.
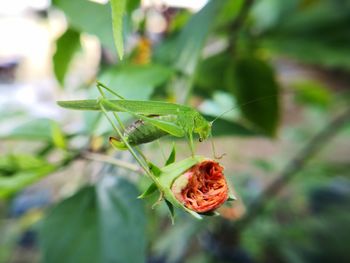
x: 166, y: 126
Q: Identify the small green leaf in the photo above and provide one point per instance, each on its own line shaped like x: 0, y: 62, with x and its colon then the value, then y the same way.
x: 184, y: 50
x: 36, y: 129
x: 117, y: 144
x: 211, y: 74
x: 21, y: 179
x: 312, y: 92
x: 154, y: 169
x: 171, y: 157
x: 150, y: 190
x: 13, y: 163
x: 58, y: 137
x: 171, y: 211
x: 193, y: 36
x: 90, y: 17
x: 66, y: 46
x: 131, y: 5
x: 118, y: 9
x: 223, y: 127
x: 211, y: 213
x: 231, y: 198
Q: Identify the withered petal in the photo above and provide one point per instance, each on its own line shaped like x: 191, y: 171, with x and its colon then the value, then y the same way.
x: 206, y: 187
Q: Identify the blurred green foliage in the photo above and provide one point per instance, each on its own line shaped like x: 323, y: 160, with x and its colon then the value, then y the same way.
x: 87, y: 220
x: 205, y: 59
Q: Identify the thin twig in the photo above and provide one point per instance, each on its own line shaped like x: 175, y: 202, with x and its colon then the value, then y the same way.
x: 293, y: 167
x: 107, y: 159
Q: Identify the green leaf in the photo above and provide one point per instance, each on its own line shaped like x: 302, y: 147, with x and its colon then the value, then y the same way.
x: 192, y: 38
x: 135, y: 81
x: 312, y: 92
x: 300, y: 32
x: 185, y: 49
x: 171, y: 210
x: 122, y: 221
x: 154, y: 169
x: 171, y: 157
x: 222, y: 127
x: 172, y: 245
x: 12, y: 163
x: 228, y: 13
x: 90, y: 17
x: 105, y: 223
x: 118, y: 9
x: 149, y: 191
x: 131, y: 5
x: 58, y: 137
x: 315, y: 52
x: 41, y: 129
x: 21, y: 179
x: 77, y: 237
x: 66, y: 46
x: 37, y: 129
x: 257, y: 93
x: 211, y: 74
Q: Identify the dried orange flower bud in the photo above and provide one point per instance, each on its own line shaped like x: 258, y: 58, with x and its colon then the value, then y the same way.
x: 202, y: 188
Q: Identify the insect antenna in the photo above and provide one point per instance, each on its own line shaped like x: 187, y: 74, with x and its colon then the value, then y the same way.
x: 101, y: 85
x: 244, y: 104
x: 227, y: 111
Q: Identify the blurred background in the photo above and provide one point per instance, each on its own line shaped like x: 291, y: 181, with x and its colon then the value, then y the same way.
x: 284, y: 68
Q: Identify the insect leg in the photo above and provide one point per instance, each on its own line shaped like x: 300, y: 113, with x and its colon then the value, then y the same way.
x: 101, y: 85
x: 191, y: 144
x: 166, y: 126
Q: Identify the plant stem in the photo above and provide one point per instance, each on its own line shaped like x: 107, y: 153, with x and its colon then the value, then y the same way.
x: 293, y: 167
x: 99, y: 85
x: 107, y: 159
x: 140, y: 162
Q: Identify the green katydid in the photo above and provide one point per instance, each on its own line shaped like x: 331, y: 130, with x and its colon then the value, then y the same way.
x: 155, y: 119
x: 175, y: 119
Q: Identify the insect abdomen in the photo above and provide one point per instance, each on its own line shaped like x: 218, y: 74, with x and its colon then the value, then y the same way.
x: 140, y: 132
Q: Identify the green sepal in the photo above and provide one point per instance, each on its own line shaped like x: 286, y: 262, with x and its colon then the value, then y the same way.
x: 154, y: 169
x: 231, y: 198
x: 171, y: 157
x: 211, y: 213
x: 169, y: 173
x: 149, y: 191
x: 192, y: 213
x: 171, y: 211
x: 117, y: 144
x: 58, y: 137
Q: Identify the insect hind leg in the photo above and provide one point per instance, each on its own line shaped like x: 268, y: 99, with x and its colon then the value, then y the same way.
x: 101, y: 85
